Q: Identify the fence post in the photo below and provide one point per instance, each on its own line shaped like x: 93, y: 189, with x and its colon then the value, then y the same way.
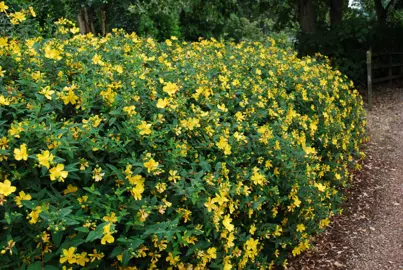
x: 369, y: 78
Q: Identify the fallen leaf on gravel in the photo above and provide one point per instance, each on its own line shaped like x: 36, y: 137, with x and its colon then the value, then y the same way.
x: 338, y: 265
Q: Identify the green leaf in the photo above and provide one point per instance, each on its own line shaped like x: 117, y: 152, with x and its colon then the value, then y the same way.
x: 112, y: 121
x: 50, y: 267
x: 116, y: 251
x: 70, y: 222
x: 57, y: 238
x: 72, y: 167
x: 35, y: 266
x: 97, y: 234
x: 125, y: 257
x: 29, y: 204
x: 82, y: 229
x: 135, y: 243
x: 93, y: 235
x: 116, y: 171
x: 65, y: 211
x: 92, y: 190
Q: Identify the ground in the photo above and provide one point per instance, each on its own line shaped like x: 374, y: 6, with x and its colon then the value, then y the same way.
x: 369, y: 234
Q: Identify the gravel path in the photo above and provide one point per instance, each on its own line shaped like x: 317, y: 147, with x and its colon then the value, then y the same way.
x: 369, y: 235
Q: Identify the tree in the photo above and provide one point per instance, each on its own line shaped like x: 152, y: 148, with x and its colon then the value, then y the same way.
x: 85, y: 21
x: 381, y: 11
x: 336, y: 11
x: 307, y: 16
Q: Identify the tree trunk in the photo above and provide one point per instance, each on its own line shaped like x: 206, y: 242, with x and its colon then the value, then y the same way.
x: 81, y: 22
x: 336, y: 11
x: 103, y: 20
x: 85, y: 22
x: 382, y: 12
x: 307, y: 16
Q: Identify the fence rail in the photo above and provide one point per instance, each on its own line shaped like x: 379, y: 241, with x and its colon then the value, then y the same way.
x: 382, y: 67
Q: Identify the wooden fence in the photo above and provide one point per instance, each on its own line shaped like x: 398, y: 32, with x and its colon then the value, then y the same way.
x: 382, y: 67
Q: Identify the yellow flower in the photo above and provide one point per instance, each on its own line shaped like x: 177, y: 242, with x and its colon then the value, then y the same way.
x: 230, y: 240
x: 34, y: 215
x: 324, y: 223
x: 172, y: 260
x: 83, y: 164
x: 97, y: 59
x: 300, y: 227
x: 111, y: 218
x: 74, y: 30
x: 135, y: 179
x: 137, y: 191
x: 82, y: 258
x: 45, y: 158
x: 297, y: 202
x: 173, y: 176
x: 9, y: 247
x: 3, y: 6
x: 227, y: 223
x: 222, y: 107
x: 31, y: 9
x: 278, y: 231
x: 170, y: 88
x: 296, y: 251
x: 45, y: 237
x: 82, y: 200
x: 68, y: 256
x: 69, y: 98
x: 252, y: 229
x: 144, y: 128
x: 47, y: 92
x: 6, y: 188
x: 58, y: 173
x: 320, y: 187
x: 162, y: 103
x: 258, y: 178
x: 160, y: 187
x: 3, y: 100
x: 2, y: 72
x: 4, y: 143
x: 130, y: 110
x: 227, y: 266
x: 21, y: 154
x: 191, y: 123
x: 20, y: 16
x: 251, y: 247
x: 108, y: 238
x: 211, y: 252
x: 97, y: 174
x: 151, y: 165
x: 70, y: 189
x: 210, y: 205
x: 224, y: 145
x: 52, y: 53
x: 96, y: 255
x: 22, y: 197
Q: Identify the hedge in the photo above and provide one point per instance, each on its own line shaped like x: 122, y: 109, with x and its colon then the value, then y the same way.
x: 122, y: 152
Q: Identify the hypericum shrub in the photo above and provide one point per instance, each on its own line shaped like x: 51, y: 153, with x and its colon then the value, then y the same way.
x: 123, y: 152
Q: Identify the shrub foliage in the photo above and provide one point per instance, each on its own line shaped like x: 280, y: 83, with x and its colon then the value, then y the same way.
x: 121, y: 151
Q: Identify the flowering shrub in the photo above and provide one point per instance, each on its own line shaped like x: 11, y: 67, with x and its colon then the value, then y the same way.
x: 123, y: 152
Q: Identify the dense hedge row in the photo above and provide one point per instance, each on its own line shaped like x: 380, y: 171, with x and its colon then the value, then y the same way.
x: 126, y: 152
